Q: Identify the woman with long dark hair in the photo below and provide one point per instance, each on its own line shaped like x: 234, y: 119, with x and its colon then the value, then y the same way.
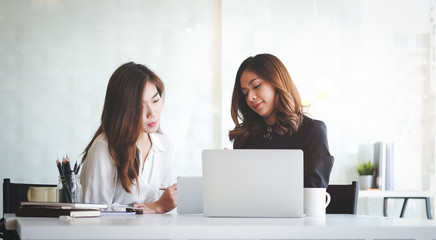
x: 128, y: 160
x: 268, y: 113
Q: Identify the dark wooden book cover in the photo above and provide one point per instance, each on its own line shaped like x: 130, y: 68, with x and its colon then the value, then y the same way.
x: 64, y: 205
x: 27, y: 211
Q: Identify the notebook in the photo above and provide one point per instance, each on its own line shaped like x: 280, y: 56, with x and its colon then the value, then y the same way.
x: 32, y: 211
x: 253, y: 183
x: 56, y: 209
x: 65, y: 205
x: 189, y: 195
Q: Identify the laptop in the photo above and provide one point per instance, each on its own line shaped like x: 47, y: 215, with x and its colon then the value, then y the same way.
x: 253, y: 183
x: 189, y: 195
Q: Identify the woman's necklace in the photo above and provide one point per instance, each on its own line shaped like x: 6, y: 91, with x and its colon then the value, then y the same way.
x: 268, y: 135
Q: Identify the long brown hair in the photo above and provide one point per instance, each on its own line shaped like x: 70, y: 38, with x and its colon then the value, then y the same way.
x: 288, y: 106
x: 121, y: 120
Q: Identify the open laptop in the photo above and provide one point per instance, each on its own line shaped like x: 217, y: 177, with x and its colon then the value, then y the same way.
x: 189, y: 195
x: 253, y: 183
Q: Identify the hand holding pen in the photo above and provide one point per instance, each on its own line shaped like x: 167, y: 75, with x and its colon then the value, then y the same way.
x: 168, y: 200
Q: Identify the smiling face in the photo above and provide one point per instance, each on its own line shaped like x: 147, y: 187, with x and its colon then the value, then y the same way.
x: 151, y: 108
x: 259, y: 96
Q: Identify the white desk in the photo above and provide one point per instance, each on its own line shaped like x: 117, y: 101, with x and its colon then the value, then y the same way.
x: 173, y: 226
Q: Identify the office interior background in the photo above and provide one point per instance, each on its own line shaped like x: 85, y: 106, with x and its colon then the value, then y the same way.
x: 364, y: 67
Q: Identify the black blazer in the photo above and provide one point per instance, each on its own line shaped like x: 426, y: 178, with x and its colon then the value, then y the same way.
x: 312, y: 139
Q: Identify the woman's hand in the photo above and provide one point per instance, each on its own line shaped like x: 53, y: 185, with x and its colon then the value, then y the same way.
x: 166, y: 203
x: 144, y: 207
x: 168, y: 200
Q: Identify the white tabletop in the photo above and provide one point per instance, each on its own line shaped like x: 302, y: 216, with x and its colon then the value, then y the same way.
x: 173, y: 226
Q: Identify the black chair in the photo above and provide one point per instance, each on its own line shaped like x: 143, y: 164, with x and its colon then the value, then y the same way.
x: 343, y: 198
x: 15, y: 193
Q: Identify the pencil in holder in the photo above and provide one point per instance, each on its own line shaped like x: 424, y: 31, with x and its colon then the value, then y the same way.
x: 69, y: 188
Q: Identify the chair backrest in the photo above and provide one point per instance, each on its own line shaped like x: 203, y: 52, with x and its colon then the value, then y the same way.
x: 15, y: 193
x: 343, y: 198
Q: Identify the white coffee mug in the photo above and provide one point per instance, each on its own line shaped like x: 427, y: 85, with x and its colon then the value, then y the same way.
x: 42, y: 194
x: 316, y: 201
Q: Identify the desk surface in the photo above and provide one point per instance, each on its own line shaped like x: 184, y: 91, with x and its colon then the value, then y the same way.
x: 173, y: 226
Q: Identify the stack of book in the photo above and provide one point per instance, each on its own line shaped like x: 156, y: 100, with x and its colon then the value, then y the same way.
x: 50, y: 209
x: 384, y: 162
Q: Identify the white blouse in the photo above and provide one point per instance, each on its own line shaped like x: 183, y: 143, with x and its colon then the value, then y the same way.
x: 100, y: 182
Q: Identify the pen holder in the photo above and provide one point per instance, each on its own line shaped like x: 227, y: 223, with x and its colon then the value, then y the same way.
x: 69, y: 189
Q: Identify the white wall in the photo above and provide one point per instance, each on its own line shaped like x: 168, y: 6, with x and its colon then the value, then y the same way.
x: 359, y: 64
x: 56, y: 58
x: 362, y: 65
